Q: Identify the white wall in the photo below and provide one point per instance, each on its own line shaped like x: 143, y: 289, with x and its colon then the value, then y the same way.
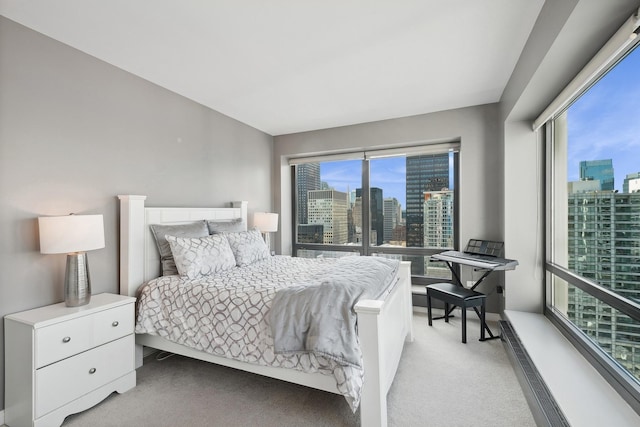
x: 75, y: 132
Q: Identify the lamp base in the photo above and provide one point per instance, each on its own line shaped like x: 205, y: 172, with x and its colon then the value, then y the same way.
x: 77, y: 284
x: 267, y: 240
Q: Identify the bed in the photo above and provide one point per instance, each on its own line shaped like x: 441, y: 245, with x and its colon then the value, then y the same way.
x: 383, y: 324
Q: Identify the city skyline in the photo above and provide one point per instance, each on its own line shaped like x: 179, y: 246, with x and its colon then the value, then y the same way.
x: 388, y: 174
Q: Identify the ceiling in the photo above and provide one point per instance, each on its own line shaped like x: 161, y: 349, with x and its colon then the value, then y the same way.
x: 288, y: 66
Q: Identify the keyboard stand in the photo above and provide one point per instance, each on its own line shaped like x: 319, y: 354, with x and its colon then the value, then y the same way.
x: 479, y: 264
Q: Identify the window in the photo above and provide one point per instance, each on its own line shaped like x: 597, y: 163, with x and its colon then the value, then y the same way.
x: 383, y: 203
x: 593, y: 229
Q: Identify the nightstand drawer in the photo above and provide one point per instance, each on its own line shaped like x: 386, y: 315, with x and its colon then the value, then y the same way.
x: 64, y: 339
x: 76, y: 376
x: 112, y: 324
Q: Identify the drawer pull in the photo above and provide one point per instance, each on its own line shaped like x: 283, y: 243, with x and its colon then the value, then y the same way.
x: 66, y: 339
x: 115, y: 323
x: 92, y: 370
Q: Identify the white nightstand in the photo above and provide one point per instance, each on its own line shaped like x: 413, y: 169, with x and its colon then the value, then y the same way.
x: 62, y: 360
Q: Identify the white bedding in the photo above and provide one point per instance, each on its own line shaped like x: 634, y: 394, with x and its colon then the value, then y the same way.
x: 225, y: 314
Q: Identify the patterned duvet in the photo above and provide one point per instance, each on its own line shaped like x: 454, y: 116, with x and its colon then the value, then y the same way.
x: 225, y: 314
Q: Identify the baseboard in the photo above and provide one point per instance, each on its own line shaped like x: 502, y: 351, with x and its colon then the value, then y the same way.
x: 1, y: 417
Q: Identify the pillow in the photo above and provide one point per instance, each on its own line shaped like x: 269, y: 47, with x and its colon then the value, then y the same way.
x: 248, y: 247
x: 226, y: 226
x: 193, y: 229
x: 201, y: 256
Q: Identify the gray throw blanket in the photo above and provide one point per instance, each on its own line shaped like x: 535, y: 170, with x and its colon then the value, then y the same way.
x: 319, y: 317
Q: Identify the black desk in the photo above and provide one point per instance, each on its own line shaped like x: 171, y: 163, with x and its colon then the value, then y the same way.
x: 484, y: 263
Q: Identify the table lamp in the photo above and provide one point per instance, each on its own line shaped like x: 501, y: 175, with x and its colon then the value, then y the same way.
x: 266, y: 223
x: 73, y: 235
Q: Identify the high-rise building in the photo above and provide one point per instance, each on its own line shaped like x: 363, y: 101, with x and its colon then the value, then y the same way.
x: 438, y: 228
x: 604, y: 246
x: 598, y: 170
x: 391, y: 212
x: 376, y: 214
x: 307, y: 179
x: 329, y: 208
x: 424, y: 173
x: 631, y: 183
x: 438, y: 219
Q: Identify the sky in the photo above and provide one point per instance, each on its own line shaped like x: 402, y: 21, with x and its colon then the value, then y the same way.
x: 388, y: 173
x: 604, y: 123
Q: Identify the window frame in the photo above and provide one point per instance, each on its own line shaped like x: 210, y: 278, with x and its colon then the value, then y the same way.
x: 620, y: 379
x: 366, y: 249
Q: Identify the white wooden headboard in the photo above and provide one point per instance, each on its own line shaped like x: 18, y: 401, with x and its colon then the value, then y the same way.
x: 139, y: 257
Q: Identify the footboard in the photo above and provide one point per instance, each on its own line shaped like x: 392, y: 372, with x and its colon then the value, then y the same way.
x: 383, y: 327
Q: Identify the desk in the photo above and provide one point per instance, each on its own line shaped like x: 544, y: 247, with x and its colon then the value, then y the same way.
x: 487, y: 264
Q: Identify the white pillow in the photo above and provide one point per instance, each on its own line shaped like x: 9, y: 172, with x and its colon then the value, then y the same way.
x: 248, y: 247
x: 201, y: 256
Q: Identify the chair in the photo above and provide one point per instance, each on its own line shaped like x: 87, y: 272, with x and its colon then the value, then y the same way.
x: 460, y: 297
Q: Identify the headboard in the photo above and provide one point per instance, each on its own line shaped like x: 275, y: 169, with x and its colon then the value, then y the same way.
x: 139, y: 258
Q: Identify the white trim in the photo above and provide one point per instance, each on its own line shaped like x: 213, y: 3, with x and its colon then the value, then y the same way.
x: 609, y: 53
x: 2, y: 417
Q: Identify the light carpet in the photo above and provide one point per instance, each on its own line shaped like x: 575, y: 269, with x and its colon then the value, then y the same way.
x: 440, y: 382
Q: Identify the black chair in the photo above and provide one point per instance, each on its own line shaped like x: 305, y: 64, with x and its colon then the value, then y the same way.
x: 460, y: 297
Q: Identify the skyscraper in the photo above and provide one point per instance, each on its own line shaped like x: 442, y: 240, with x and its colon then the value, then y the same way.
x: 391, y: 212
x: 424, y: 173
x: 307, y: 179
x: 376, y: 213
x: 329, y: 208
x: 438, y: 228
x: 438, y: 219
x: 598, y: 170
x: 604, y: 246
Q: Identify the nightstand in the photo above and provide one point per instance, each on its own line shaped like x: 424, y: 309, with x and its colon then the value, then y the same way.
x: 61, y: 360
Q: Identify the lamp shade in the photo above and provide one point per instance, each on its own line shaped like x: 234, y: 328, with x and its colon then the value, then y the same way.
x: 71, y: 233
x: 265, y: 222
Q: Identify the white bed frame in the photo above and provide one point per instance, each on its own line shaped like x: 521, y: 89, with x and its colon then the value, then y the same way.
x: 383, y: 325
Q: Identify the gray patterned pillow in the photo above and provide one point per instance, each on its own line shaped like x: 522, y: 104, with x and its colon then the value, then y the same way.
x: 233, y: 226
x: 248, y: 247
x: 201, y: 256
x: 192, y: 229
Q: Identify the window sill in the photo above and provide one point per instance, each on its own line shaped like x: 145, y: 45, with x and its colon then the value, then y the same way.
x: 584, y: 397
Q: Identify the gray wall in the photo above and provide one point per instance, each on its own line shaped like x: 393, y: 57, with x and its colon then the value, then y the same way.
x: 481, y: 165
x: 75, y: 132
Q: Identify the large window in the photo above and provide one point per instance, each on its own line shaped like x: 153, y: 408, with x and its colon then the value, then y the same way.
x: 381, y: 203
x: 593, y: 259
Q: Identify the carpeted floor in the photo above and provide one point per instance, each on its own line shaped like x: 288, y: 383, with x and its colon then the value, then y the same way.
x: 440, y: 382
